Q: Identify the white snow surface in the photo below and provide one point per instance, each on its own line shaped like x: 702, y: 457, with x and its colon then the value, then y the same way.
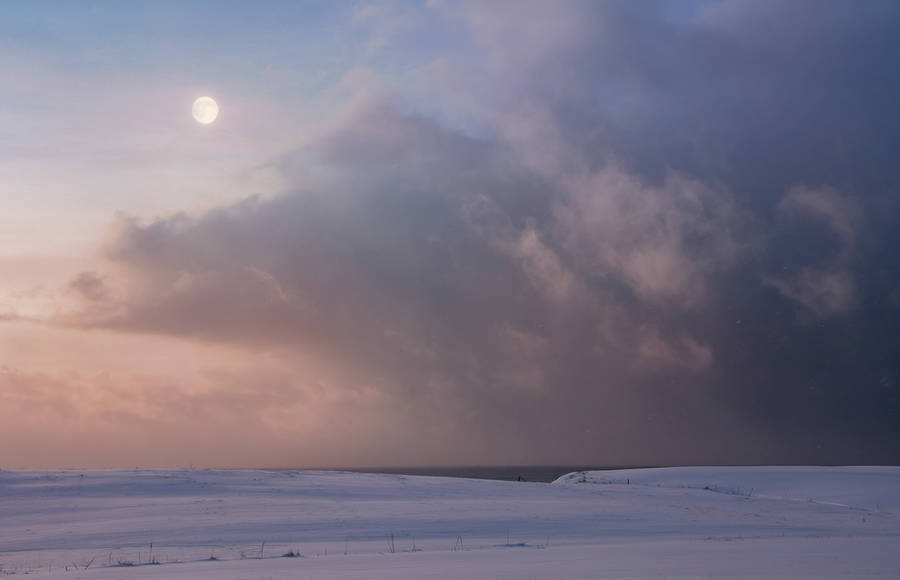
x: 687, y: 522
x: 864, y: 488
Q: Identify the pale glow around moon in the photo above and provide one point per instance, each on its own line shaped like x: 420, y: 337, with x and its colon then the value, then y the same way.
x: 205, y: 110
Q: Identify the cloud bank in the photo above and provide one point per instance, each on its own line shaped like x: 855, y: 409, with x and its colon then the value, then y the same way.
x: 591, y: 232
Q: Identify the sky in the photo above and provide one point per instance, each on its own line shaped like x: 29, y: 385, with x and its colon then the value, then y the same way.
x: 449, y: 233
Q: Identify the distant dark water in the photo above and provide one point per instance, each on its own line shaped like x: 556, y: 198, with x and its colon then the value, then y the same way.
x: 544, y: 474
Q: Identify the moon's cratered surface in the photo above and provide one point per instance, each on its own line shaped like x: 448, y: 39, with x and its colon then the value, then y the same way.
x: 205, y: 110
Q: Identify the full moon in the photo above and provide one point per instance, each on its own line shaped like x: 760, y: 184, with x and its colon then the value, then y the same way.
x: 205, y: 110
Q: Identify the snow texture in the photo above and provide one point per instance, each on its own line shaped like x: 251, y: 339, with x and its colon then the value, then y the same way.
x: 697, y: 522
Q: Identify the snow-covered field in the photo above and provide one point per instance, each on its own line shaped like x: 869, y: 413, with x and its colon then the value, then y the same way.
x: 712, y: 522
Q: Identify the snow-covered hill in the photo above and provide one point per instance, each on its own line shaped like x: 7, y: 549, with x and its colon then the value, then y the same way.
x: 676, y: 522
x: 865, y: 488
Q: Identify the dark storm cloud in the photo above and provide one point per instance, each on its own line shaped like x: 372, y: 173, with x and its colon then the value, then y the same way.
x: 675, y: 241
x: 764, y: 95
